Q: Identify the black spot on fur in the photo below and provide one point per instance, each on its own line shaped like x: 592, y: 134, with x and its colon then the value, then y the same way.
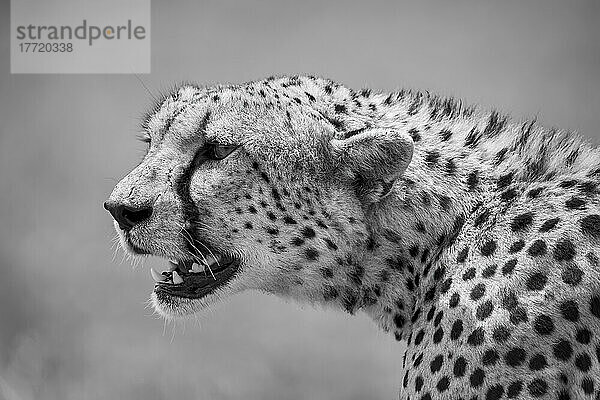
x: 536, y: 281
x: 501, y: 334
x: 297, y: 241
x: 538, y: 248
x: 477, y: 377
x: 595, y: 306
x: 445, y: 134
x: 272, y: 230
x: 330, y: 244
x: 575, y: 203
x: 340, y: 108
x: 543, y: 325
x: 399, y: 321
x: 432, y: 157
x: 516, y: 247
x: 588, y: 187
x: 590, y: 225
x: 563, y: 350
x: 569, y: 310
x: 538, y: 362
x: 495, y: 125
x: 289, y: 220
x: 514, y: 389
x: 564, y: 250
x: 308, y: 232
x: 311, y: 253
x: 477, y: 292
x: 550, y: 224
x: 484, y: 310
x: 568, y: 183
x: 327, y: 272
x: 436, y: 363
x: 499, y: 157
x: 505, y: 180
x: 476, y: 337
x: 521, y: 222
x: 537, y: 387
x: 462, y: 255
x: 275, y: 194
x: 495, y: 392
x: 509, y: 266
x: 330, y: 293
x: 450, y: 167
x: 488, y: 248
x: 533, y: 193
x: 413, y: 250
x: 508, y: 195
x: 460, y: 365
x: 515, y: 357
x: 265, y: 177
x: 482, y: 218
x: 414, y: 134
x: 321, y: 224
x: 473, y: 180
x: 472, y: 138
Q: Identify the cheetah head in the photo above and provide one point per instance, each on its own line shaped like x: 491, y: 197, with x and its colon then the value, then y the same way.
x: 239, y: 192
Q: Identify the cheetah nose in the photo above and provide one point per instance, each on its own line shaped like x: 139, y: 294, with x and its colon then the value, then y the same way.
x: 126, y: 216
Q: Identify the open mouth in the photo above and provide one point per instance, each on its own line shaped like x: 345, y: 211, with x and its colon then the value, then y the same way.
x: 195, y: 279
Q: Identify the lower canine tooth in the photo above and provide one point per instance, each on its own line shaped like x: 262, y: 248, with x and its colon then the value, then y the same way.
x: 176, y: 278
x: 210, y: 260
x: 196, y: 268
x: 156, y: 276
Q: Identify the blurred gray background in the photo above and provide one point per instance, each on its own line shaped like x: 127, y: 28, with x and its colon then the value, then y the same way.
x: 73, y: 318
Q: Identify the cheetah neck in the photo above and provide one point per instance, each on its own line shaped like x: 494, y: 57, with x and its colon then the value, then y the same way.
x: 463, y: 158
x: 460, y: 162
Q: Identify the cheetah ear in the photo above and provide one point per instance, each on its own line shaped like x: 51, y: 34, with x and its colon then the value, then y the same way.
x: 374, y: 158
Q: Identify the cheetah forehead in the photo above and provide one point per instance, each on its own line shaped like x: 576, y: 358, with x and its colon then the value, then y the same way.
x: 266, y: 97
x: 264, y: 116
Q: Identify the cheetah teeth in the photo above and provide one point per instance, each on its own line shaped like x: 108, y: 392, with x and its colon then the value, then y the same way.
x: 210, y: 260
x: 176, y: 278
x: 196, y: 268
x: 175, y: 266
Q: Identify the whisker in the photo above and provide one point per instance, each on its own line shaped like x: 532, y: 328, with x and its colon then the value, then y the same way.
x: 190, y: 241
x: 209, y: 250
x: 146, y: 87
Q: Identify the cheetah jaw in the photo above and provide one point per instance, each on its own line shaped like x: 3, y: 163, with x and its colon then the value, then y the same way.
x: 194, y: 280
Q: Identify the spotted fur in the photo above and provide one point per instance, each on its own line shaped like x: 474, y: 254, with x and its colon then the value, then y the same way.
x: 471, y: 237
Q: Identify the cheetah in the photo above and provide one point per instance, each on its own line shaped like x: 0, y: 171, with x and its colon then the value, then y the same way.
x: 470, y: 237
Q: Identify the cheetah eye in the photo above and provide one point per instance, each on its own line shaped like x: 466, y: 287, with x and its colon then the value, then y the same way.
x: 219, y: 152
